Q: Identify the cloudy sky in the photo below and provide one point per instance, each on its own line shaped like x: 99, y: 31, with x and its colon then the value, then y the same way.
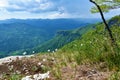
x: 23, y: 9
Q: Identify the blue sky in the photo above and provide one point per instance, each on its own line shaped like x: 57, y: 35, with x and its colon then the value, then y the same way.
x: 24, y: 9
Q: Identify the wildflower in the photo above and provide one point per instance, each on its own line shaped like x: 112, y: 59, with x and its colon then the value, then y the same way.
x: 53, y: 59
x: 48, y: 50
x: 90, y: 42
x: 42, y: 66
x: 75, y: 45
x: 39, y: 63
x: 44, y: 60
x: 81, y: 44
x: 56, y: 49
x: 53, y: 51
x: 33, y: 51
x: 24, y: 53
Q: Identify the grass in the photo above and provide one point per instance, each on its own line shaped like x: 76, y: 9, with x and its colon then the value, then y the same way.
x: 96, y: 46
x: 115, y: 76
x: 15, y: 77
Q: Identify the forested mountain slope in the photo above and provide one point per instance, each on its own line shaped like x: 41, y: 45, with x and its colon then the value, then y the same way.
x: 20, y: 35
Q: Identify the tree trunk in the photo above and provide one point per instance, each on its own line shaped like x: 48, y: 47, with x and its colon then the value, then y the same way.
x: 105, y: 23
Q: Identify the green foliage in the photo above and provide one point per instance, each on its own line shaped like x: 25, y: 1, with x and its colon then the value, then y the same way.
x: 12, y: 77
x: 106, y: 5
x: 15, y: 77
x: 104, y: 8
x: 115, y: 76
x: 95, y: 46
x: 115, y: 21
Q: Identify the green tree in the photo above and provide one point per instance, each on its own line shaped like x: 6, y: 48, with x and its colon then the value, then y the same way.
x: 104, y: 6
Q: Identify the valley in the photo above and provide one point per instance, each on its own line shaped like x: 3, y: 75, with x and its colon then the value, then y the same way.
x: 19, y: 36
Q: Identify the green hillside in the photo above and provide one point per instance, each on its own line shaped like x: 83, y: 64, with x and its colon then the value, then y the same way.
x: 63, y: 37
x: 95, y: 46
x: 20, y: 36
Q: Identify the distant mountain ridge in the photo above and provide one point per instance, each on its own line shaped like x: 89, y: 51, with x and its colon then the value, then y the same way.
x: 82, y: 20
x: 64, y: 37
x: 20, y: 35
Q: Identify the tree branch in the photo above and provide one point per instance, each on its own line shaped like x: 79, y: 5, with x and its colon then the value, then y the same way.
x: 105, y: 23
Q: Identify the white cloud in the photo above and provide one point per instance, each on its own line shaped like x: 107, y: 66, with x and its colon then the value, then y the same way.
x: 3, y: 3
x: 47, y: 9
x: 46, y: 5
x: 58, y: 15
x: 27, y: 5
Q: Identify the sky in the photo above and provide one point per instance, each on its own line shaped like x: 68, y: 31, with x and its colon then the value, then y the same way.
x: 50, y: 9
